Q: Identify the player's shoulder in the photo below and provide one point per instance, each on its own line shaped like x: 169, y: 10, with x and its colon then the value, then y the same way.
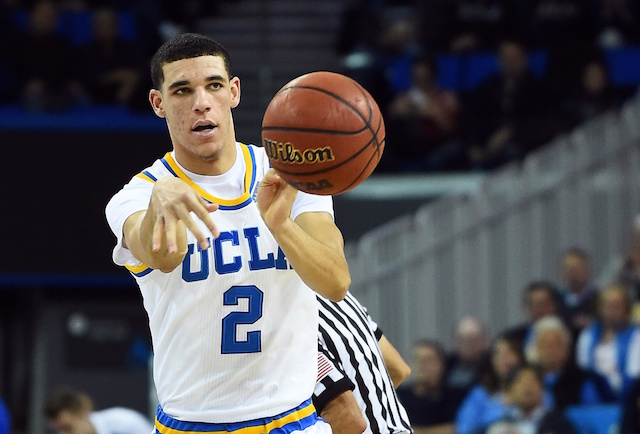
x: 149, y: 175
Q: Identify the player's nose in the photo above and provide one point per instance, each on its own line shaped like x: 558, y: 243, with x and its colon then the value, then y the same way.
x: 201, y: 102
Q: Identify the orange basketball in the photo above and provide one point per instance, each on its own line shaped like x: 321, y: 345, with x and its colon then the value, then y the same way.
x: 323, y: 133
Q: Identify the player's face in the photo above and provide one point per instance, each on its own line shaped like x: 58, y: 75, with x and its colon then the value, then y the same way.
x: 196, y: 100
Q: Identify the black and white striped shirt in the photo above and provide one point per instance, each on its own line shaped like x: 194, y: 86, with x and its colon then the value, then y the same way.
x: 348, y: 337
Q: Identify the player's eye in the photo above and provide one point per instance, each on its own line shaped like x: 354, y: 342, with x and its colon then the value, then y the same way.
x: 182, y: 91
x: 215, y: 86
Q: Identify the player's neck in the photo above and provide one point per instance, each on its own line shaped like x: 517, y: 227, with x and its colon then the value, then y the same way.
x: 215, y: 163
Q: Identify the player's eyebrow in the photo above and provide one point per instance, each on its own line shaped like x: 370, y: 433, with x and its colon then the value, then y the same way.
x: 181, y: 83
x: 178, y: 84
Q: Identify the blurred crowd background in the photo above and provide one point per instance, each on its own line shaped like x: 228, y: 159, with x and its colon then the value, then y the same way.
x: 465, y: 86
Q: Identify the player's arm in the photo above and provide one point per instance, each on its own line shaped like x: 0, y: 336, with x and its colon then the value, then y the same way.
x: 333, y: 396
x: 398, y: 369
x: 157, y: 237
x: 312, y: 243
x: 344, y: 415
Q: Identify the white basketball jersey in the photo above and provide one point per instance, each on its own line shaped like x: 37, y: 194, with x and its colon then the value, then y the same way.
x: 234, y: 327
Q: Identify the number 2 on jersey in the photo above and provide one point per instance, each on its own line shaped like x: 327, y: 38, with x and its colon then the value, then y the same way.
x: 230, y: 342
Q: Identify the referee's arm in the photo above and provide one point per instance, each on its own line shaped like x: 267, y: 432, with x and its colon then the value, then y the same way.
x: 398, y: 369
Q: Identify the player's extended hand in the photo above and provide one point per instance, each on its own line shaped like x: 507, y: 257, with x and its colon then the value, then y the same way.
x: 275, y: 198
x: 172, y: 202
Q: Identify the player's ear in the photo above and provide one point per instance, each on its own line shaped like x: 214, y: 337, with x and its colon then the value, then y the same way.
x: 234, y: 84
x: 155, y: 99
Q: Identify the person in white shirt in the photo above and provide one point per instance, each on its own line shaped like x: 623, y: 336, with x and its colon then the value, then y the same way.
x: 69, y: 411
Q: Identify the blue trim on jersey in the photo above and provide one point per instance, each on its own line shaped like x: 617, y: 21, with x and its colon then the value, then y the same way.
x: 232, y: 207
x: 142, y: 273
x: 166, y: 164
x: 296, y: 419
x: 253, y: 170
x: 146, y: 172
x: 250, y: 189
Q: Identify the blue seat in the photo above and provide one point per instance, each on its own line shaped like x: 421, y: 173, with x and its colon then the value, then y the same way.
x: 594, y: 419
x: 624, y: 65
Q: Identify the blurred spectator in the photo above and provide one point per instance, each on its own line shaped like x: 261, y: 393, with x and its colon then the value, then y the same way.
x: 527, y: 409
x: 486, y: 402
x: 504, y: 113
x: 426, y: 398
x: 504, y: 427
x: 596, y: 95
x: 114, y: 67
x: 480, y: 25
x: 465, y: 361
x: 46, y: 63
x: 422, y: 121
x: 540, y: 299
x: 69, y: 411
x: 5, y: 420
x: 551, y: 348
x: 628, y: 273
x: 630, y: 418
x: 578, y: 290
x: 384, y: 68
x: 617, y: 22
x: 611, y: 345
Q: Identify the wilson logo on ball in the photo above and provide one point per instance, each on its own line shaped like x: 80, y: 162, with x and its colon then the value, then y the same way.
x: 287, y: 153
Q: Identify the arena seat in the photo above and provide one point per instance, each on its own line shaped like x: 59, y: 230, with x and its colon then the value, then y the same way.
x: 594, y: 419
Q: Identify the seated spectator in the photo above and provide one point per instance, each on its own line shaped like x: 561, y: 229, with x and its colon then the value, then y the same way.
x: 426, y: 398
x: 611, y: 345
x: 69, y: 411
x: 5, y: 420
x: 114, y: 71
x: 422, y: 121
x: 566, y: 384
x: 595, y: 97
x: 527, y: 409
x: 540, y: 299
x: 577, y: 289
x: 503, y: 114
x: 46, y: 63
x: 486, y: 402
x: 630, y: 418
x: 504, y: 427
x: 628, y: 273
x: 465, y: 361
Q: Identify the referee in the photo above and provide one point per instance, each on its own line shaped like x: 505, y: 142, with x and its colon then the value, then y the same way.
x: 357, y: 365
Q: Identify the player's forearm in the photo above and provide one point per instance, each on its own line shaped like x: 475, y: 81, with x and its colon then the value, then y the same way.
x: 321, y: 266
x: 344, y: 415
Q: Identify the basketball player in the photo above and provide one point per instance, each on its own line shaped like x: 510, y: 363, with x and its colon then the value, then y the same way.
x: 357, y: 363
x: 227, y: 257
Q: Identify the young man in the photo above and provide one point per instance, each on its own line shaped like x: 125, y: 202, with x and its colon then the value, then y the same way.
x: 226, y: 255
x: 358, y: 371
x: 70, y: 411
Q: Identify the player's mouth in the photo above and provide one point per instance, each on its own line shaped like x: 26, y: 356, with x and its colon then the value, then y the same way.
x: 203, y: 128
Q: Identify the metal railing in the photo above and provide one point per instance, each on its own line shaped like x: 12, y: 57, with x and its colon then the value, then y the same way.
x: 474, y: 253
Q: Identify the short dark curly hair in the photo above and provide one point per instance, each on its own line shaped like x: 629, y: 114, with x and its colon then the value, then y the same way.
x: 185, y: 46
